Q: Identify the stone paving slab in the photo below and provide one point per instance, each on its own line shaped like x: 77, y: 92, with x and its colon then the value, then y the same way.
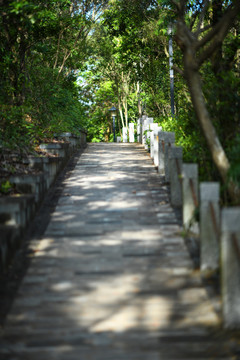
x: 111, y: 278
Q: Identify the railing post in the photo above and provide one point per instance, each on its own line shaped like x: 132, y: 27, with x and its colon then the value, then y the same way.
x: 156, y: 146
x: 175, y: 174
x: 209, y: 226
x: 131, y: 133
x: 190, y: 195
x: 139, y: 126
x: 153, y: 128
x: 230, y: 266
x: 149, y: 121
x: 125, y: 134
x: 169, y: 141
x: 143, y: 128
x: 161, y: 142
x: 164, y: 139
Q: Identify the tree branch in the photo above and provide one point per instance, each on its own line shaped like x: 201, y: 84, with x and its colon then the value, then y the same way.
x: 202, y: 15
x: 218, y: 37
x: 58, y: 49
x: 176, y: 4
x: 194, y: 17
x: 221, y: 27
x: 196, y: 14
x: 178, y: 70
x: 68, y: 53
x: 202, y: 30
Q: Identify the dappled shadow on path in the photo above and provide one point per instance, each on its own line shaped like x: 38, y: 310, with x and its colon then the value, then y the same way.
x: 111, y: 277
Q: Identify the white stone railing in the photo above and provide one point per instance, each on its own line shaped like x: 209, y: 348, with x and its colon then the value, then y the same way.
x: 218, y: 229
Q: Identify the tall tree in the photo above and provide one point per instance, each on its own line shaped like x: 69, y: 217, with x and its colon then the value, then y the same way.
x: 199, y: 41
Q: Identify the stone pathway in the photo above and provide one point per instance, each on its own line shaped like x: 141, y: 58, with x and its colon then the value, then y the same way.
x: 111, y: 279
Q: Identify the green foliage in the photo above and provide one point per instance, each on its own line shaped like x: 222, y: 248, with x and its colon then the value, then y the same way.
x: 14, y: 130
x: 57, y: 107
x: 96, y: 133
x: 50, y: 108
x: 5, y: 187
x: 190, y: 138
x: 234, y: 152
x: 223, y: 95
x: 42, y: 46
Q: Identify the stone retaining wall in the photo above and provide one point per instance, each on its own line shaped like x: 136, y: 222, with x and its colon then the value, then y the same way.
x: 16, y: 212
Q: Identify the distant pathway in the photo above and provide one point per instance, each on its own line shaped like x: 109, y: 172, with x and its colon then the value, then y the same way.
x: 111, y: 279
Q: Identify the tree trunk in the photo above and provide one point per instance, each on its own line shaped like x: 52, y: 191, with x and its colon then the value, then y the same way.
x: 125, y: 107
x: 216, y: 58
x: 214, y: 144
x: 218, y: 154
x: 120, y: 111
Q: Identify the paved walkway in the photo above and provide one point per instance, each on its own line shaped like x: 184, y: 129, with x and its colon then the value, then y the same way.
x: 111, y: 278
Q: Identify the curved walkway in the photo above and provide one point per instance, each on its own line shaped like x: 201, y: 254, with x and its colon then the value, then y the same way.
x: 111, y: 279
